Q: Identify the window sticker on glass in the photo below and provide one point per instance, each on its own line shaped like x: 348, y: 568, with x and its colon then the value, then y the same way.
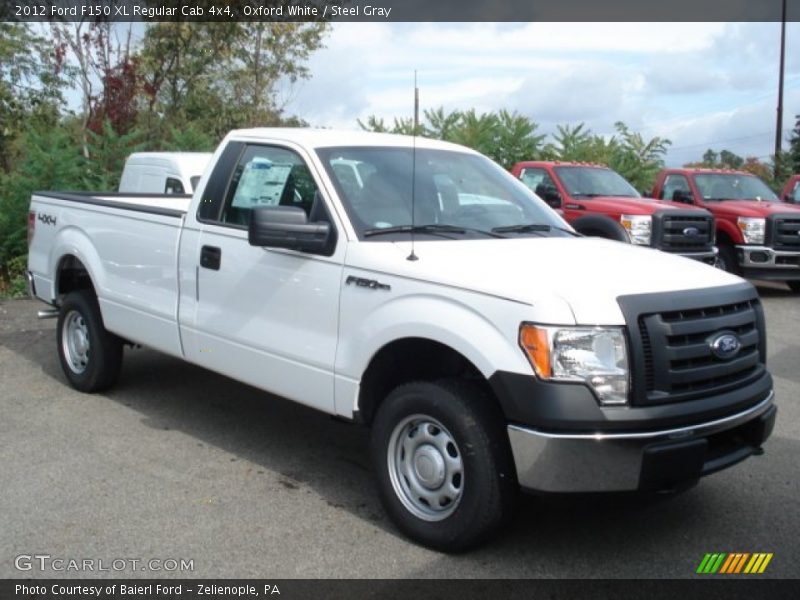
x: 261, y: 183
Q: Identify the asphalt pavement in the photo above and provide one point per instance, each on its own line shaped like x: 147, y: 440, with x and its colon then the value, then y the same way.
x: 178, y: 463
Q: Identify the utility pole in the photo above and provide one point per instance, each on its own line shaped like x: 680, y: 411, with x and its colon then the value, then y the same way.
x: 779, y: 123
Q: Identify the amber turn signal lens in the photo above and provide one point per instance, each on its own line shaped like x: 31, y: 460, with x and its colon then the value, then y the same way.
x: 534, y: 342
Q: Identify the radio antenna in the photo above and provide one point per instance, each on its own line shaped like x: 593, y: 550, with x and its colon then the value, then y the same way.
x: 413, y: 256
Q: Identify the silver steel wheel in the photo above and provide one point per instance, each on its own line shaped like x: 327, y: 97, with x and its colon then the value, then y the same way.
x: 75, y: 341
x: 425, y: 467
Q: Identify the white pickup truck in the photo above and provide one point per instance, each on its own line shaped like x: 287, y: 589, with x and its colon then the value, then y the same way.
x: 486, y: 344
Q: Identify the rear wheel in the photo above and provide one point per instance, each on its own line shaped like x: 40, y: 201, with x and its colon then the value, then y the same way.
x: 794, y: 286
x: 91, y: 356
x: 443, y: 463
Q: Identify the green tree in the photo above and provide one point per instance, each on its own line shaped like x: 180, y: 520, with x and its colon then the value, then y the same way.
x: 637, y: 159
x: 506, y: 137
x: 220, y: 76
x: 50, y: 159
x: 31, y: 82
x: 794, y: 146
x: 477, y: 131
x: 442, y: 125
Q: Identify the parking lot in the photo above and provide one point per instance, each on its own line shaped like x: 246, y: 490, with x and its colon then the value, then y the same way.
x: 180, y: 463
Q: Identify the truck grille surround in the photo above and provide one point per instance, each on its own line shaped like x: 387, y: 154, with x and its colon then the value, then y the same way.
x: 671, y: 339
x: 784, y: 232
x: 683, y: 231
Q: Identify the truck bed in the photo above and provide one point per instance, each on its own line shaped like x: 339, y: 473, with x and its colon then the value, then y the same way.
x: 129, y: 245
x: 170, y: 205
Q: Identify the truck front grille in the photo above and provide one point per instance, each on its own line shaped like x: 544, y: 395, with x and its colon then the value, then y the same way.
x: 786, y: 232
x: 681, y: 233
x: 673, y: 345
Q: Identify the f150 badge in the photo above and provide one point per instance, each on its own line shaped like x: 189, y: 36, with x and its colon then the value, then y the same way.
x: 46, y: 219
x: 367, y: 283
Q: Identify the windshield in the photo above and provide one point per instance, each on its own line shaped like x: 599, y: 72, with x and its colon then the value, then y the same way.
x: 591, y: 181
x: 732, y: 186
x: 456, y: 194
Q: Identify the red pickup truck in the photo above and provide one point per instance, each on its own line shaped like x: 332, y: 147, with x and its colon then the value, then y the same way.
x: 757, y: 234
x: 791, y: 191
x: 597, y: 201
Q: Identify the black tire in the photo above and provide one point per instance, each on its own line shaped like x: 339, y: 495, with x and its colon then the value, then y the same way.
x: 487, y: 487
x: 91, y: 356
x: 794, y: 286
x: 727, y: 259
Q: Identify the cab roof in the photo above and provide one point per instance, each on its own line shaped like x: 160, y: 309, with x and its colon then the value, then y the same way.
x: 329, y: 138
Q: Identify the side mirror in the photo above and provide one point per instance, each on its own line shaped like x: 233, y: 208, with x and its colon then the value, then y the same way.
x: 549, y: 194
x: 287, y: 227
x: 682, y: 196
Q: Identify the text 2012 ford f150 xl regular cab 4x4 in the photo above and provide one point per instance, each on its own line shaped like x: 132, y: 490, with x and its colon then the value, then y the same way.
x: 481, y: 363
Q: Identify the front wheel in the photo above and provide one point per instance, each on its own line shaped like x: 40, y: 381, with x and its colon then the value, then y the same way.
x: 794, y: 286
x: 727, y: 259
x: 91, y: 356
x: 444, y: 467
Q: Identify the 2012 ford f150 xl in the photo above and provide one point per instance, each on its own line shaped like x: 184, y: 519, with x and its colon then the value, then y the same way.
x: 481, y: 364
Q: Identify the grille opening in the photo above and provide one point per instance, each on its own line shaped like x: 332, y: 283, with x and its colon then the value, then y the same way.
x: 701, y: 336
x: 702, y: 313
x: 703, y: 361
x: 715, y: 382
x: 681, y: 366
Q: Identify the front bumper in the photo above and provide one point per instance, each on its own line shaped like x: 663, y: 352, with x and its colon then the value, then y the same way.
x: 763, y: 262
x: 710, y: 258
x: 648, y: 461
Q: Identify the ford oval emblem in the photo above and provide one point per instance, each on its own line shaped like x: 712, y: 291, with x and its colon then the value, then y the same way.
x: 725, y: 346
x: 691, y: 231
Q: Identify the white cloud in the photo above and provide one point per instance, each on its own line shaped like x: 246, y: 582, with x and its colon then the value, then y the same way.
x: 694, y: 83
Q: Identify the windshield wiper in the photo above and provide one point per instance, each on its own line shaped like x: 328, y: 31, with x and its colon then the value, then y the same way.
x: 433, y: 228
x: 522, y: 228
x: 532, y: 228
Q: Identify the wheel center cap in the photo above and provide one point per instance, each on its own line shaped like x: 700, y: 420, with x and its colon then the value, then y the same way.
x: 80, y: 342
x: 429, y: 466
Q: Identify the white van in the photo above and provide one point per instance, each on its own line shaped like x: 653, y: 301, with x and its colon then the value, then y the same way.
x: 163, y: 172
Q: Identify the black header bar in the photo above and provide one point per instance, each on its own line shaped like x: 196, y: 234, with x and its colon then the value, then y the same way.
x: 398, y: 10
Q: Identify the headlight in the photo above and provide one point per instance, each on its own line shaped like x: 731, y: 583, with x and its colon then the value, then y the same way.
x: 752, y: 229
x: 639, y: 227
x: 595, y: 356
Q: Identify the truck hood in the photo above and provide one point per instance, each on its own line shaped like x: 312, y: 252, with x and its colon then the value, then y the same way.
x: 577, y: 277
x: 751, y: 208
x: 635, y: 206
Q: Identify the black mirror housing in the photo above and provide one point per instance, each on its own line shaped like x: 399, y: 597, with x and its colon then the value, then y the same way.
x: 549, y: 194
x: 287, y: 227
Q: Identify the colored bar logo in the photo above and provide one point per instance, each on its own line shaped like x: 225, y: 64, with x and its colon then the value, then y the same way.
x: 734, y: 563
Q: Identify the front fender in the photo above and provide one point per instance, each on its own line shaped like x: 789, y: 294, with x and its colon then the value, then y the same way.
x: 484, y: 332
x: 729, y: 229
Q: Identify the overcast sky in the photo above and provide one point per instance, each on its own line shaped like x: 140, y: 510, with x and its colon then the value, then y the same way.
x: 699, y: 84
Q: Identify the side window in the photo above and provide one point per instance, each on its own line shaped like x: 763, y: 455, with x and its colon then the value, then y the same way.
x: 672, y: 184
x: 173, y: 186
x: 533, y: 178
x: 267, y: 176
x: 795, y: 195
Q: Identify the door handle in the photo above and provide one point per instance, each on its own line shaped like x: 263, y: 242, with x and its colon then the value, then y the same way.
x: 211, y: 257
